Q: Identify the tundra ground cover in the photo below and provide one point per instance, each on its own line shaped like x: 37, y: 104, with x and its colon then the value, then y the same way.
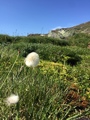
x: 54, y: 90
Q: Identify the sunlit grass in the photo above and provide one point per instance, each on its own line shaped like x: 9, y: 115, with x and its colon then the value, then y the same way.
x: 44, y: 92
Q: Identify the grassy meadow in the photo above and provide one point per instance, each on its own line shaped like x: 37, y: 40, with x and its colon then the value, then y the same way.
x: 57, y: 89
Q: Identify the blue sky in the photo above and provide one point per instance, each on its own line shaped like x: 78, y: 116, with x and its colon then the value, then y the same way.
x: 22, y: 17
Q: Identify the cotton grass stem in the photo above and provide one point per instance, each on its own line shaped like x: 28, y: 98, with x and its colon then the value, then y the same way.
x: 74, y: 117
x: 9, y: 72
x: 69, y: 109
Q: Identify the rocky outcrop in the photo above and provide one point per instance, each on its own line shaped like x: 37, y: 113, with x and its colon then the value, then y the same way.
x: 66, y: 32
x: 60, y: 33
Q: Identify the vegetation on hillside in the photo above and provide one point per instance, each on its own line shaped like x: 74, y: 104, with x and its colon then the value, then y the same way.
x: 57, y: 89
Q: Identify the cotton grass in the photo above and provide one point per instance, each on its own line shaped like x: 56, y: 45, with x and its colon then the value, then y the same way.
x: 12, y: 99
x: 32, y: 59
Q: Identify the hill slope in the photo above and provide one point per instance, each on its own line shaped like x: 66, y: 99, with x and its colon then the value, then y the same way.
x: 66, y: 32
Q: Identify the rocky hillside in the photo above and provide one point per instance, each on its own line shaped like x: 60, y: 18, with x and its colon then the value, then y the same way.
x: 66, y: 32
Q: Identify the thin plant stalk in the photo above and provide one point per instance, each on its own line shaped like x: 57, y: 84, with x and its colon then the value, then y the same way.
x: 9, y: 72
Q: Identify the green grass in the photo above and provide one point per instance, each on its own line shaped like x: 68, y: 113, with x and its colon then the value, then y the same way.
x: 53, y: 90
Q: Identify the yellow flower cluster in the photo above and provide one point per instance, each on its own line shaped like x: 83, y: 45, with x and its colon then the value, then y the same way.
x: 52, y: 69
x: 88, y: 92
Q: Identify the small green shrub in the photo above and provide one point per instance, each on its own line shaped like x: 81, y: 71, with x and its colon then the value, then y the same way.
x: 5, y: 39
x: 45, y: 40
x: 73, y: 58
x: 80, y: 40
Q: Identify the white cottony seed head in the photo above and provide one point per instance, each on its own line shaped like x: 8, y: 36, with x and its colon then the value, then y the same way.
x: 32, y: 59
x: 12, y: 99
